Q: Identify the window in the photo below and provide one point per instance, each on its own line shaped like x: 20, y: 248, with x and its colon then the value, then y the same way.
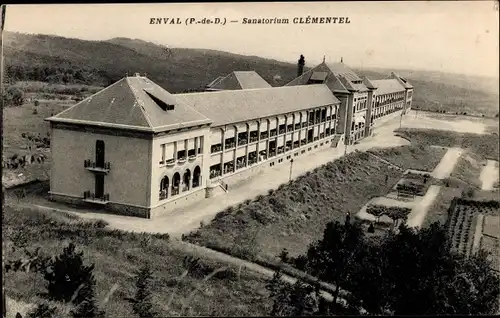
x: 162, y: 161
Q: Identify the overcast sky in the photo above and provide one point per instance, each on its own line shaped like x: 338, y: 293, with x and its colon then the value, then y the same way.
x: 452, y: 36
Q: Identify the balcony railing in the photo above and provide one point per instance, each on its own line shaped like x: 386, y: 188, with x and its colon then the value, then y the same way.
x: 163, y: 194
x: 242, y: 142
x: 214, y: 174
x: 230, y: 145
x: 192, y: 157
x: 181, y: 159
x: 92, y: 166
x: 92, y: 198
x: 254, y: 139
x: 170, y: 162
x: 175, y: 190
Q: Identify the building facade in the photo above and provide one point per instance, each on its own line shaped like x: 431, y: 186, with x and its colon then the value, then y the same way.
x: 135, y: 149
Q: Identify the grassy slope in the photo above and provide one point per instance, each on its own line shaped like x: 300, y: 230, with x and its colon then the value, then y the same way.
x: 486, y: 146
x: 110, y: 60
x: 117, y: 255
x: 418, y: 157
x: 468, y: 169
x: 295, y: 215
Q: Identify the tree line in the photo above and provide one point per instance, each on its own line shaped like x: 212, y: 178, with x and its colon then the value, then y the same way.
x: 409, y: 272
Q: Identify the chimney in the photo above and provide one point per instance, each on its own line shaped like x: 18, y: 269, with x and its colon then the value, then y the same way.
x: 300, y: 65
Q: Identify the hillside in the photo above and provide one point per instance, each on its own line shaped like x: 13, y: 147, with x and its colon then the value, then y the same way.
x: 63, y: 60
x: 450, y: 93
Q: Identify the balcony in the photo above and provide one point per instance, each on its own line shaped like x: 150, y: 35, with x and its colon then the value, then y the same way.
x: 192, y: 158
x: 181, y: 159
x: 170, y: 162
x: 92, y: 166
x: 91, y: 198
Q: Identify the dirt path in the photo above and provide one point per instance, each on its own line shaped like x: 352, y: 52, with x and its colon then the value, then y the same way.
x: 489, y: 175
x: 447, y: 163
x: 478, y: 233
x: 419, y: 212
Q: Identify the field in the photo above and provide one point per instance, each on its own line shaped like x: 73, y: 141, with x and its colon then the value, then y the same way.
x: 117, y: 255
x: 416, y: 157
x: 50, y: 99
x: 486, y: 146
x: 295, y: 215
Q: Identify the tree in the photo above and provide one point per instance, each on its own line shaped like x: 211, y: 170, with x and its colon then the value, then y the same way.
x: 299, y: 299
x: 141, y: 303
x: 330, y: 259
x: 68, y: 278
x: 14, y: 96
x: 412, y: 272
x: 87, y: 305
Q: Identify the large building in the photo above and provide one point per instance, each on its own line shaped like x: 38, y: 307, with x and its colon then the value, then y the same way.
x: 135, y: 149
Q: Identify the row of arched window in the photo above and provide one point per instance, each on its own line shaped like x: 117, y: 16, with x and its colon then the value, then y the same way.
x: 169, y: 188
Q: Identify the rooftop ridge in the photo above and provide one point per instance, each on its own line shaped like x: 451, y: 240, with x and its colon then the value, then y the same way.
x: 241, y: 91
x: 138, y: 101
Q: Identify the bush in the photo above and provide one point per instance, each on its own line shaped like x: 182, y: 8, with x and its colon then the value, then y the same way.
x: 42, y: 311
x: 36, y: 103
x: 141, y: 303
x: 67, y: 275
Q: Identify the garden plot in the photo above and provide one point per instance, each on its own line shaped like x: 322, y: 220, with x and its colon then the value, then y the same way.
x: 464, y: 216
x: 364, y: 214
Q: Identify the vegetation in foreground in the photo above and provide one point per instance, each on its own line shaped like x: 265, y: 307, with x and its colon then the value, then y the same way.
x: 409, y: 273
x: 486, y: 146
x: 179, y: 285
x: 291, y: 216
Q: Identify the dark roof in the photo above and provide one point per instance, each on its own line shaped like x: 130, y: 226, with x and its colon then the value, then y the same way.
x: 402, y: 80
x: 344, y: 70
x: 132, y: 103
x: 238, y: 80
x: 226, y: 107
x: 387, y: 86
x: 335, y: 73
x: 368, y: 83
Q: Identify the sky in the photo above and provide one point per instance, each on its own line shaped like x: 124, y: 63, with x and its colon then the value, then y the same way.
x: 450, y: 36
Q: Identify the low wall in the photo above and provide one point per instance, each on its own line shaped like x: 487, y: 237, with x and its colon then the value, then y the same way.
x: 180, y: 201
x: 109, y: 208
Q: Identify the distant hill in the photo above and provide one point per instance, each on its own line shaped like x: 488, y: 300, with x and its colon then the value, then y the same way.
x: 100, y: 63
x: 58, y: 59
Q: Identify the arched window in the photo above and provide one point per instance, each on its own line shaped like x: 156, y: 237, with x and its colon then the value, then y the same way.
x: 186, y: 179
x: 176, y: 180
x: 196, y: 177
x: 164, y: 184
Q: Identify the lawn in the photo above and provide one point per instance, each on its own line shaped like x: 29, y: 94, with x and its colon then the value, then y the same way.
x: 486, y: 146
x: 117, y: 254
x: 296, y: 213
x: 416, y: 157
x: 468, y: 169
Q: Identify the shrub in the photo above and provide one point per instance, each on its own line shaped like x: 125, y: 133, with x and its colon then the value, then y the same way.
x: 67, y: 275
x: 141, y: 303
x: 43, y: 310
x: 36, y: 103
